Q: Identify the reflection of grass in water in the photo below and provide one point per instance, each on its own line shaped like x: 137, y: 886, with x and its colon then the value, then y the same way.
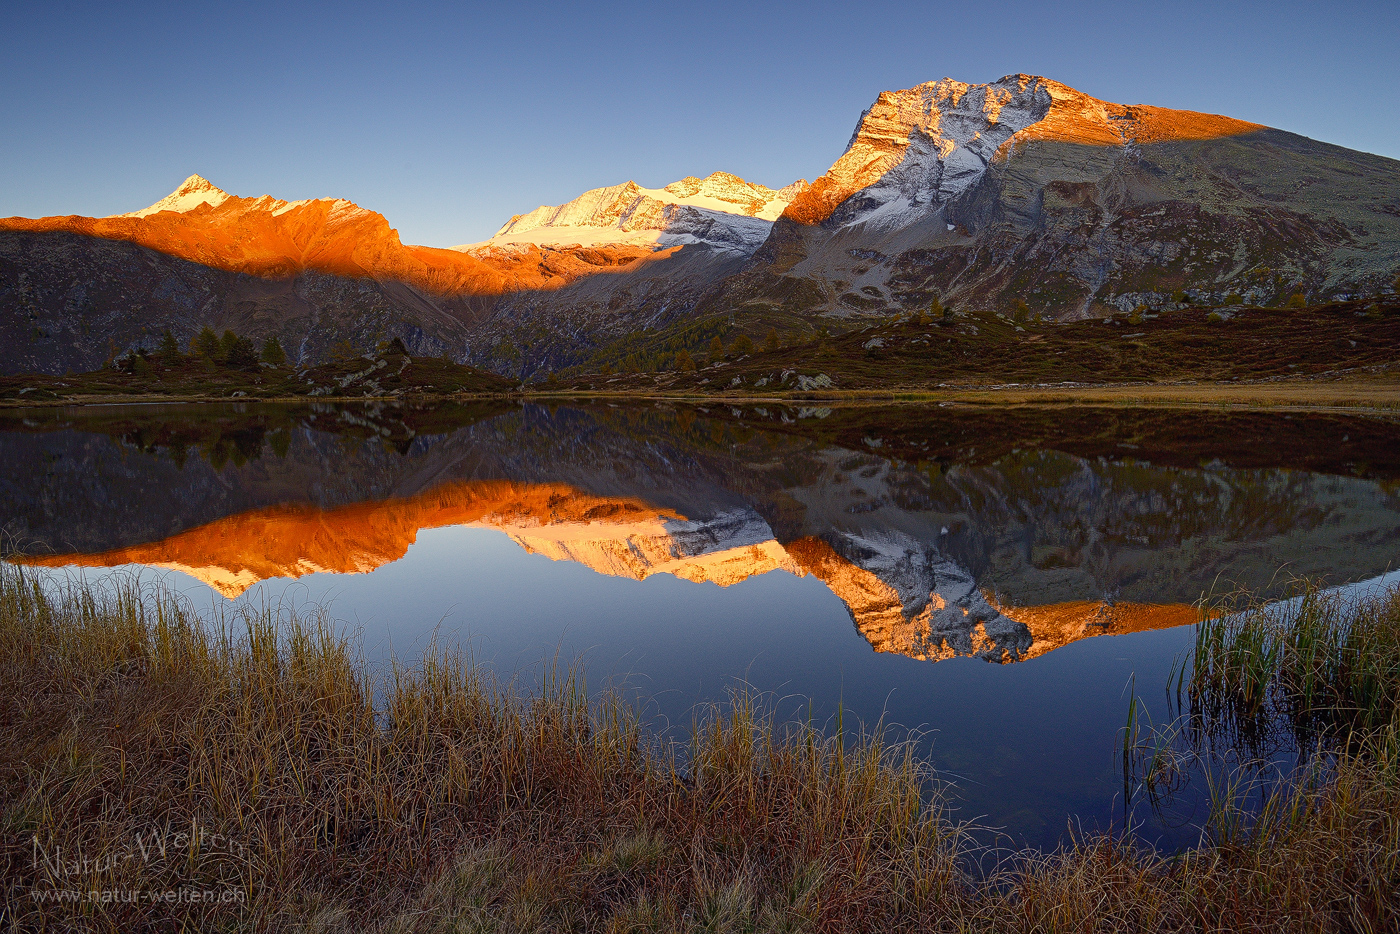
x: 454, y: 803
x: 1328, y: 663
x: 1322, y: 670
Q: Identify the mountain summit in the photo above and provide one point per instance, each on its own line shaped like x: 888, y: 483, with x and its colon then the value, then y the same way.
x: 1027, y: 193
x: 919, y: 149
x: 193, y: 192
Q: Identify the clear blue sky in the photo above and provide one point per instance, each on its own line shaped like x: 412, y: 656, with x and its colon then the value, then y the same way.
x: 448, y: 118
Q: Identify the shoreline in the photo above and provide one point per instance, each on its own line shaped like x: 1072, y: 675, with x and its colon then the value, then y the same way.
x: 1302, y: 394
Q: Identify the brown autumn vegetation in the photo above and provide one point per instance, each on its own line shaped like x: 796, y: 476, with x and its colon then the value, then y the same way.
x: 436, y: 799
x: 1254, y: 355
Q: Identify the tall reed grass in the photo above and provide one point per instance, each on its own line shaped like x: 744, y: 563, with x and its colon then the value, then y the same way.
x: 1327, y: 663
x: 275, y: 763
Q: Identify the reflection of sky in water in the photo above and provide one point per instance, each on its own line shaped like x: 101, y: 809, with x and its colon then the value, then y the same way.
x: 1028, y: 744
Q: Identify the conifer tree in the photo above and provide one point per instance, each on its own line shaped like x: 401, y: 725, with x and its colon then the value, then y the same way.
x: 272, y: 352
x: 206, y: 344
x: 169, y: 349
x: 228, y: 344
x: 235, y: 351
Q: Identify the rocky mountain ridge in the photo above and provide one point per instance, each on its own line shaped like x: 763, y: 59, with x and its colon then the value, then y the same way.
x: 1019, y: 196
x: 1028, y: 191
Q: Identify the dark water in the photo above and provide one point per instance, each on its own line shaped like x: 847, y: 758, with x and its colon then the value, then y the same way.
x: 993, y: 579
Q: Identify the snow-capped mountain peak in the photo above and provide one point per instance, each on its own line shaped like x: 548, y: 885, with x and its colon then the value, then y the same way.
x: 916, y: 150
x: 193, y: 192
x: 720, y: 210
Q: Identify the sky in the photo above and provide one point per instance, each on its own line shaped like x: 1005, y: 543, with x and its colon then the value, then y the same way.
x: 449, y: 118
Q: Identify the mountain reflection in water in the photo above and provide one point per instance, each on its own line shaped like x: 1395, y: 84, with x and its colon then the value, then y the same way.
x: 628, y: 538
x: 1004, y: 556
x: 1009, y: 533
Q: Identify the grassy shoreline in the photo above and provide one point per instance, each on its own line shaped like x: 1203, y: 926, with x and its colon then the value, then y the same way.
x: 433, y: 798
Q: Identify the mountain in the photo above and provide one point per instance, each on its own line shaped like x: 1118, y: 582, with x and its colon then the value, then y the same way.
x: 76, y: 290
x: 1018, y: 196
x: 1025, y: 189
x: 274, y: 239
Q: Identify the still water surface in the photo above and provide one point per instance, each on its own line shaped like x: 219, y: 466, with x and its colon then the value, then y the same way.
x: 992, y: 579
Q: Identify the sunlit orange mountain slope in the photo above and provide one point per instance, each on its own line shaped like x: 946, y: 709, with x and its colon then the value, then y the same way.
x: 953, y: 130
x: 619, y: 537
x: 275, y: 239
x: 234, y: 553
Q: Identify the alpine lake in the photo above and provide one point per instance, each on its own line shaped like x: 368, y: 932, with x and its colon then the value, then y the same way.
x: 996, y: 585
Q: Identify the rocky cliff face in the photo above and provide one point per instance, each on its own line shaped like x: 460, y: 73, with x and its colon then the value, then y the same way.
x: 916, y: 151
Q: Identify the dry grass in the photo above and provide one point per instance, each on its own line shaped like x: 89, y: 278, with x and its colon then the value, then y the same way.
x: 434, y: 799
